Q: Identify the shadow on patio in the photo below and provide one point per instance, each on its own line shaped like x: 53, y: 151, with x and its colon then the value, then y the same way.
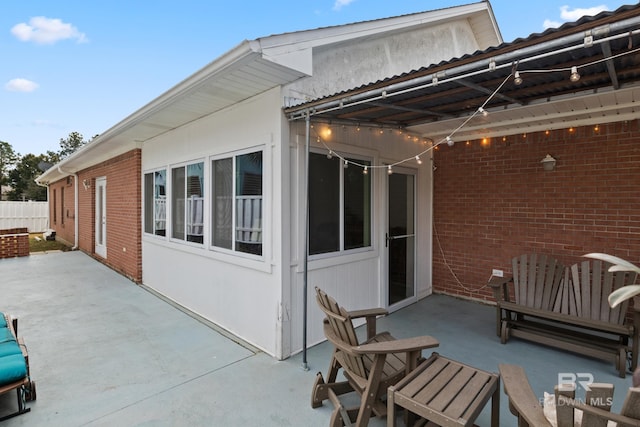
x: 106, y: 352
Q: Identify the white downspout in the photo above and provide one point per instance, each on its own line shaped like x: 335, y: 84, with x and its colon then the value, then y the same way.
x: 75, y: 207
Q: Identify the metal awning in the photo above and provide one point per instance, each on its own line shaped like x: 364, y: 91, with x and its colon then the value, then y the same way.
x: 436, y: 100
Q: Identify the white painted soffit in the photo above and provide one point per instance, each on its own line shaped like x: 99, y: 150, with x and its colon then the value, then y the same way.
x: 236, y: 76
x: 588, y: 108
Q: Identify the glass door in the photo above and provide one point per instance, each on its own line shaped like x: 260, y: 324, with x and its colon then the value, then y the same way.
x: 101, y: 218
x: 400, y: 237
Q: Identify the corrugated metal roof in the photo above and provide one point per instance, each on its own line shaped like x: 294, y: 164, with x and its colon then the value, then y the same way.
x: 413, y: 100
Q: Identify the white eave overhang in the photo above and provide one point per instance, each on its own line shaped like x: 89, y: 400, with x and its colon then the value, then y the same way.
x: 238, y: 75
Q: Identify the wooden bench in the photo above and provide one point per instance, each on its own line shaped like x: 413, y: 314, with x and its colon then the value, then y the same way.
x: 14, y: 366
x: 595, y: 406
x: 567, y: 307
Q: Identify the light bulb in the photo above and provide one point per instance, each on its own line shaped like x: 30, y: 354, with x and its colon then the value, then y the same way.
x: 574, y: 74
x: 482, y: 111
x: 418, y: 160
x: 346, y: 164
x: 450, y: 141
x: 517, y: 79
x: 365, y: 171
x: 389, y: 170
x: 330, y: 155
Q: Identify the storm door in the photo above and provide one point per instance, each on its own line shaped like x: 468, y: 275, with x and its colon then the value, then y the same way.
x: 101, y: 217
x: 401, y: 237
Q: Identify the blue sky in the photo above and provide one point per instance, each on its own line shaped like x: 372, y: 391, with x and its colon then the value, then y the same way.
x: 79, y: 65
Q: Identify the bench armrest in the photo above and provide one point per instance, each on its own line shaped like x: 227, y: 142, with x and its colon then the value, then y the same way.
x: 601, y: 413
x: 523, y: 403
x: 499, y: 286
x: 403, y: 345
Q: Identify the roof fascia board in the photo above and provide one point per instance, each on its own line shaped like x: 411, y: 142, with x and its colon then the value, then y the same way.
x: 302, y: 40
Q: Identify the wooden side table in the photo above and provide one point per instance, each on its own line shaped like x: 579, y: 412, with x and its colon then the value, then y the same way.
x: 446, y: 392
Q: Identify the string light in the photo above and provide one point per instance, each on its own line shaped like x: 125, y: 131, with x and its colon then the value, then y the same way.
x: 517, y: 79
x: 574, y: 77
x: 574, y: 74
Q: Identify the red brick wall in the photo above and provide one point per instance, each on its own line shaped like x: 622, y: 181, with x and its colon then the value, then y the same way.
x: 62, y: 214
x: 493, y: 201
x: 123, y: 209
x: 14, y: 242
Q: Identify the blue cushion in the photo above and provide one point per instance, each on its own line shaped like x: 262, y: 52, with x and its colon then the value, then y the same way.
x: 3, y: 320
x: 7, y: 348
x: 12, y: 368
x: 6, y: 335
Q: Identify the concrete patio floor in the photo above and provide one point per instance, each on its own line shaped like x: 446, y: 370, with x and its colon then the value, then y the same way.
x: 104, y: 352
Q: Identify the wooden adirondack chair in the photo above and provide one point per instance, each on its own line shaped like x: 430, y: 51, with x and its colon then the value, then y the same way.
x: 526, y: 406
x: 369, y: 367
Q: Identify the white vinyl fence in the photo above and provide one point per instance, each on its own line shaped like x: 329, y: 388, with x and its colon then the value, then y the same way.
x: 33, y: 215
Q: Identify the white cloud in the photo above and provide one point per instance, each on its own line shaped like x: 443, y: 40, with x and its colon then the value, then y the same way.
x: 340, y: 3
x: 548, y: 23
x: 575, y: 14
x: 21, y: 85
x: 43, y: 30
x: 568, y: 14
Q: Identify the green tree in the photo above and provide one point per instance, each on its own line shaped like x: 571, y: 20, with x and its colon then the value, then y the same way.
x: 71, y: 144
x: 22, y: 178
x: 8, y: 159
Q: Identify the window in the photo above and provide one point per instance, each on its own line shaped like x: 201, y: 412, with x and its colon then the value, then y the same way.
x: 339, y: 205
x: 237, y: 203
x: 55, y: 205
x: 187, y: 203
x: 155, y: 203
x: 62, y: 205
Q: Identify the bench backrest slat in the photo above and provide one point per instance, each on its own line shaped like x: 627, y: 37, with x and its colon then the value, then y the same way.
x: 631, y: 405
x: 537, y: 280
x: 594, y: 282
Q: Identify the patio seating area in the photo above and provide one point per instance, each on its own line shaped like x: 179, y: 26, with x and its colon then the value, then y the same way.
x: 108, y: 352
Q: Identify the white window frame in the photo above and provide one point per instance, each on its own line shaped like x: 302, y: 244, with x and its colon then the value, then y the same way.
x: 265, y: 205
x: 341, y: 251
x: 166, y: 204
x: 170, y: 193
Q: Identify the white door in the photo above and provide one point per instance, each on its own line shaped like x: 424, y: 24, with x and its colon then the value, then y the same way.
x: 401, y: 238
x: 101, y: 217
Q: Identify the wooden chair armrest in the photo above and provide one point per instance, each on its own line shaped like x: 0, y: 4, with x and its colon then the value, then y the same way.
x: 601, y: 413
x: 403, y: 345
x: 522, y: 401
x: 371, y: 314
x: 368, y: 312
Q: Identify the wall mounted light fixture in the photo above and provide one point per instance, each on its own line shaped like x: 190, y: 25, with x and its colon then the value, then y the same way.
x: 86, y: 183
x: 548, y: 163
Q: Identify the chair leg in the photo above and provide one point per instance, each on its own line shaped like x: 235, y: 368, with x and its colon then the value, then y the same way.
x: 318, y: 392
x: 370, y: 393
x: 22, y: 409
x: 321, y: 389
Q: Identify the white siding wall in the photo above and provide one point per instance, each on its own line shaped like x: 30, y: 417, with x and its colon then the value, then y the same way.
x: 33, y: 215
x: 347, y: 66
x: 240, y: 294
